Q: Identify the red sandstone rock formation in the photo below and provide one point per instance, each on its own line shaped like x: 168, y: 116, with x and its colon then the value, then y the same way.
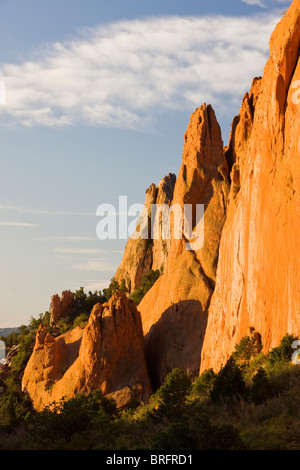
x: 246, y: 276
x: 143, y: 254
x: 107, y: 354
x: 174, y: 311
x: 60, y: 307
x: 258, y: 274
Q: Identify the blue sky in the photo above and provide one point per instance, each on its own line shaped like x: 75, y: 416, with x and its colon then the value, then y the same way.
x: 98, y: 97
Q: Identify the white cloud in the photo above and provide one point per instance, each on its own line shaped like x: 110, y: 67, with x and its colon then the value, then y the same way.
x: 78, y: 251
x: 94, y: 264
x: 261, y: 3
x: 254, y: 2
x: 67, y: 238
x: 16, y: 224
x: 30, y: 210
x: 95, y: 285
x: 121, y: 74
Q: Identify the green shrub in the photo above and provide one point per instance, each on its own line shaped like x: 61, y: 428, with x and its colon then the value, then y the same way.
x: 229, y: 382
x: 203, y: 384
x: 147, y: 282
x: 194, y: 431
x: 81, y: 320
x: 64, y: 419
x: 79, y: 315
x: 247, y: 348
x: 173, y: 393
x: 261, y: 388
x: 284, y: 351
x: 113, y: 287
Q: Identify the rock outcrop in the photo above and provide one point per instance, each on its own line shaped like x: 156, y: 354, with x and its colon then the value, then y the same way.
x: 242, y: 279
x: 107, y: 354
x: 174, y: 311
x: 258, y: 274
x: 206, y: 301
x: 60, y: 307
x: 142, y: 252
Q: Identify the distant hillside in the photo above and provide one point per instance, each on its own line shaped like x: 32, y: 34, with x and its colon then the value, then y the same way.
x: 7, y: 331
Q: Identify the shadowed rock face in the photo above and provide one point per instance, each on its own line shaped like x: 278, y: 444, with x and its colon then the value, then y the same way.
x: 258, y: 274
x: 174, y: 311
x: 107, y: 354
x: 172, y: 342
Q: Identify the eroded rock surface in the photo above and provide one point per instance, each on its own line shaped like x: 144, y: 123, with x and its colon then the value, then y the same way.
x: 107, y: 354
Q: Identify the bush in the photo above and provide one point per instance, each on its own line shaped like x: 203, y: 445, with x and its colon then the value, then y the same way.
x: 229, y: 382
x: 62, y: 420
x: 204, y: 384
x: 173, y: 393
x: 261, y: 388
x: 284, y: 351
x: 194, y: 431
x: 114, y: 286
x: 81, y: 320
x: 247, y: 348
x: 147, y: 282
x: 79, y: 315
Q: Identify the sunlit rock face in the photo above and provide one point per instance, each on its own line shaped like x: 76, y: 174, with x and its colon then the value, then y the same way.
x: 174, y: 312
x: 258, y: 275
x: 107, y: 354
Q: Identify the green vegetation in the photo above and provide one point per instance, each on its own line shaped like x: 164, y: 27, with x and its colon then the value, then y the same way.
x: 247, y: 348
x: 113, y: 287
x: 79, y: 315
x: 147, y: 282
x: 251, y: 403
x: 282, y: 353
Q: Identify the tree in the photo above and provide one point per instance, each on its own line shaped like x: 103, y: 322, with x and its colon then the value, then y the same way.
x: 63, y: 419
x: 261, y: 388
x: 229, y: 382
x: 194, y: 430
x: 114, y: 286
x: 247, y: 348
x: 204, y: 384
x: 173, y: 393
x: 284, y: 351
x: 147, y: 282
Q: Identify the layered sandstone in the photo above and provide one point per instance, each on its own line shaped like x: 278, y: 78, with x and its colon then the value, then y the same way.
x: 174, y: 311
x: 258, y: 274
x: 107, y: 354
x: 142, y: 252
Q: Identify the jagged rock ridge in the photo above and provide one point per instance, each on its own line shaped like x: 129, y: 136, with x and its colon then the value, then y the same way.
x: 143, y: 254
x: 245, y: 277
x: 174, y: 311
x: 107, y: 354
x: 258, y: 274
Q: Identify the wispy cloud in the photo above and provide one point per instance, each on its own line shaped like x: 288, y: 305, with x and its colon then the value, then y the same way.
x: 31, y: 210
x: 95, y: 285
x: 66, y: 238
x: 16, y: 224
x: 78, y: 251
x: 254, y: 2
x: 95, y: 264
x: 121, y: 74
x: 262, y: 3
